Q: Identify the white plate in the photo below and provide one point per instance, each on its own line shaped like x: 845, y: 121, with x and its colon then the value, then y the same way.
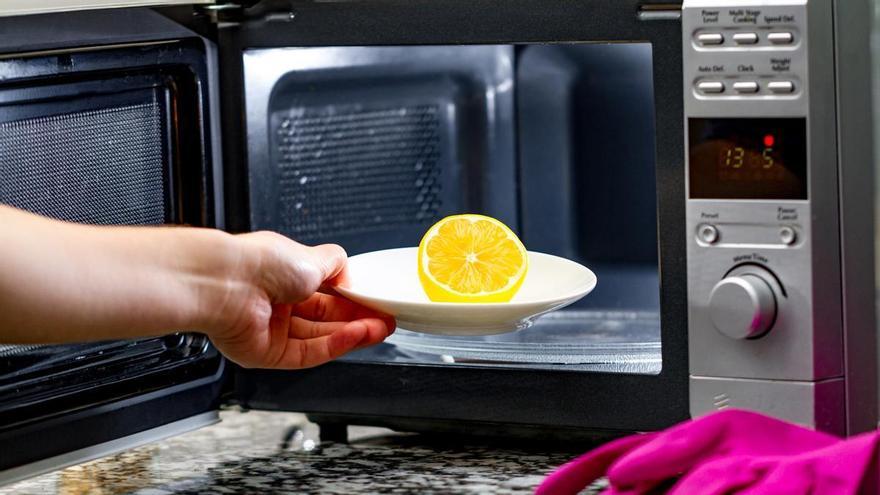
x: 388, y: 281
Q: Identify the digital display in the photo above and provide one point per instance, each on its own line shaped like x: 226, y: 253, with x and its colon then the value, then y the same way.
x: 732, y: 158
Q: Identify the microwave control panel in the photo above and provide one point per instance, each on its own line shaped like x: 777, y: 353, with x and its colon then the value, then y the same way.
x: 762, y: 233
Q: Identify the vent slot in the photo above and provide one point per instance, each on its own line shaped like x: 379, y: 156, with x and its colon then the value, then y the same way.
x: 387, y: 158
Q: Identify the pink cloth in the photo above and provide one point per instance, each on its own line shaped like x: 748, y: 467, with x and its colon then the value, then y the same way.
x: 727, y: 452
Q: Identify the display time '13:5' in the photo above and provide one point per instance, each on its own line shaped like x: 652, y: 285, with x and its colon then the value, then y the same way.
x: 736, y: 157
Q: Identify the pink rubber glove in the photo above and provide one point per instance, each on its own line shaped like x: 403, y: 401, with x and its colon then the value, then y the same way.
x: 729, y: 433
x: 642, y: 463
x: 575, y: 475
x: 845, y: 467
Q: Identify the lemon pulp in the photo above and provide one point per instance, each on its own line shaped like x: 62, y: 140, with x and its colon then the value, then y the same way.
x: 471, y: 258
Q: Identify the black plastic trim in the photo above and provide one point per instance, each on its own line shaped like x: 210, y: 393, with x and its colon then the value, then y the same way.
x: 102, y: 423
x: 72, y: 30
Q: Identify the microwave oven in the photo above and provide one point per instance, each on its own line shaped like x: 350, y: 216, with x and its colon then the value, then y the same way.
x: 710, y: 160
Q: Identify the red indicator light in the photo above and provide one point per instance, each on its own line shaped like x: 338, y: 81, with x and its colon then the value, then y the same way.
x: 769, y: 140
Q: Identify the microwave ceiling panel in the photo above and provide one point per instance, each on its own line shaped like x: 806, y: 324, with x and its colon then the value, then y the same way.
x: 26, y: 7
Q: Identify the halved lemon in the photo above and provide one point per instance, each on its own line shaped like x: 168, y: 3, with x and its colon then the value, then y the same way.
x: 471, y: 258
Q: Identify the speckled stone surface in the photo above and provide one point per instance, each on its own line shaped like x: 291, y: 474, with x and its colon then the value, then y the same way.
x: 263, y: 452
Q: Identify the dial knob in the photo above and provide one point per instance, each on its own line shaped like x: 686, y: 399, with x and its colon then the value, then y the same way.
x: 742, y: 306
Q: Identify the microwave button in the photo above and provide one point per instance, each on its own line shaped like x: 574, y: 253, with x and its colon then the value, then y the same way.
x: 710, y: 38
x: 711, y: 86
x: 745, y: 38
x: 787, y: 235
x: 708, y: 234
x: 780, y: 38
x: 781, y: 86
x: 745, y: 87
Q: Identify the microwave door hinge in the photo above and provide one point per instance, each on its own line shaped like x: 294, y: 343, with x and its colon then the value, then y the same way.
x: 660, y: 12
x: 223, y: 14
x: 233, y: 14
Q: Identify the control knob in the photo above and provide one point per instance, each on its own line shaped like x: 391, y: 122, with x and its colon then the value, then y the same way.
x: 743, y: 306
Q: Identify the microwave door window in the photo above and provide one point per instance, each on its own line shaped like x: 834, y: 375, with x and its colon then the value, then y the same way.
x: 103, y: 165
x: 369, y: 146
x: 99, y: 160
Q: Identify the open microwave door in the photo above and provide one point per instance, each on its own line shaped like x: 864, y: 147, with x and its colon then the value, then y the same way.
x: 106, y: 117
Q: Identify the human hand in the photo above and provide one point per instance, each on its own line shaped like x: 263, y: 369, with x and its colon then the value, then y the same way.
x: 272, y: 315
x: 254, y: 295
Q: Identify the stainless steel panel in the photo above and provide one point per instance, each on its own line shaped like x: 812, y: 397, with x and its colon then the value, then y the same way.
x: 857, y: 171
x: 811, y: 404
x: 806, y: 341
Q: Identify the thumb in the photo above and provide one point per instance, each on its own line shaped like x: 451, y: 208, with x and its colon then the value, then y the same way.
x: 330, y: 259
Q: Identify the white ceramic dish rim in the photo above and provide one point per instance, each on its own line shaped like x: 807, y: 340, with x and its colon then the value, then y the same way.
x: 585, y: 288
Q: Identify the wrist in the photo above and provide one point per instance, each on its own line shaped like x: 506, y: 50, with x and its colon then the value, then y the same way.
x: 220, y: 275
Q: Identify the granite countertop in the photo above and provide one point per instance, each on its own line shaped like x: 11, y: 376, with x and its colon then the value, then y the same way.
x: 267, y: 452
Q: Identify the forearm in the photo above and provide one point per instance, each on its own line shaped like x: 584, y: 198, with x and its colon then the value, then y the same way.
x: 63, y: 282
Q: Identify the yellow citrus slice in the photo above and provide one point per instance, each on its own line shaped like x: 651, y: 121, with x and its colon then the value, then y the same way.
x: 471, y: 258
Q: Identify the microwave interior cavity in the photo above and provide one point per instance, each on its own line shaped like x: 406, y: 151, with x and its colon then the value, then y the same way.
x: 369, y: 146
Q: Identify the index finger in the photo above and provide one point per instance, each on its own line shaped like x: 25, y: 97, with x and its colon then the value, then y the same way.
x: 327, y: 307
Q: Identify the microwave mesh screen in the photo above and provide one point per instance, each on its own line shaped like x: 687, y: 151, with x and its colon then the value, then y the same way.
x: 99, y: 166
x: 387, y: 157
